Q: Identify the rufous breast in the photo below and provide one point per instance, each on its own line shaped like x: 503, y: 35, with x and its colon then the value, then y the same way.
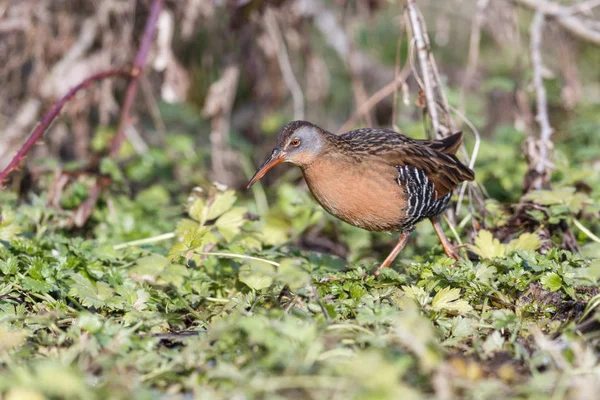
x: 364, y: 194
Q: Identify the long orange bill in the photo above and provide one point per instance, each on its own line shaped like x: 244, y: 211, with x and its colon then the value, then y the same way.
x: 277, y: 157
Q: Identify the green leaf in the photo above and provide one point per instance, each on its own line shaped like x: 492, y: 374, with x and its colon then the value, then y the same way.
x: 8, y: 226
x: 9, y: 266
x: 90, y: 322
x: 197, y: 211
x: 448, y: 299
x: 527, y: 241
x: 108, y: 166
x: 11, y: 338
x: 462, y: 327
x: 193, y: 237
x: 37, y: 286
x: 221, y: 204
x: 485, y: 273
x: 257, y: 275
x: 417, y: 293
x: 565, y: 196
x: 147, y: 269
x: 291, y: 273
x: 486, y: 246
x: 94, y: 295
x: 274, y: 230
x: 552, y: 281
x: 229, y: 224
x: 174, y: 274
x: 493, y: 343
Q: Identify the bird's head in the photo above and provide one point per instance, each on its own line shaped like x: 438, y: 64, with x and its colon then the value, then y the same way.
x: 299, y: 143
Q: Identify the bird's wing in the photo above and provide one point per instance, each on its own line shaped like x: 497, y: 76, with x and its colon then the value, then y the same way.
x: 443, y: 170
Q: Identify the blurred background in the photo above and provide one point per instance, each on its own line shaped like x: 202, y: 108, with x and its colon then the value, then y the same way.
x: 222, y: 77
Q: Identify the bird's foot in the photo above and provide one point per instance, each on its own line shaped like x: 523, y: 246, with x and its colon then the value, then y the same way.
x: 451, y: 251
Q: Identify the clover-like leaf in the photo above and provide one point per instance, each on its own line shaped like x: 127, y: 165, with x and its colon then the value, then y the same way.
x: 552, y: 281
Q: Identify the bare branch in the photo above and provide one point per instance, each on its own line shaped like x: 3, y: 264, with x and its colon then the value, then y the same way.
x: 356, y: 62
x: 136, y: 71
x: 540, y: 90
x: 473, y: 57
x: 285, y: 64
x: 372, y: 101
x: 38, y: 132
x: 538, y: 150
x: 397, y: 73
x: 565, y: 17
x: 423, y: 54
x: 217, y: 106
x: 583, y: 7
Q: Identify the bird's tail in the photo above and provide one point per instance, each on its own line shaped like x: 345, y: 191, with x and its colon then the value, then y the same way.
x: 447, y: 145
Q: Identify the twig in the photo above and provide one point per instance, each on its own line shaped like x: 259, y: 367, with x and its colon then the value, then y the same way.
x: 544, y: 143
x: 358, y: 87
x: 565, y: 18
x: 136, y: 71
x: 422, y: 53
x: 397, y: 72
x: 374, y: 99
x: 473, y: 57
x: 284, y: 64
x: 473, y: 156
x: 218, y: 106
x: 152, y: 105
x: 41, y: 128
x: 583, y: 7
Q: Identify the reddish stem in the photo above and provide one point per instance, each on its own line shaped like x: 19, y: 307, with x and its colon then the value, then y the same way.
x: 133, y: 74
x: 41, y: 128
x: 136, y: 71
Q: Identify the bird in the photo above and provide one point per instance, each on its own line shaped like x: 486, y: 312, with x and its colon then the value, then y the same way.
x: 373, y: 178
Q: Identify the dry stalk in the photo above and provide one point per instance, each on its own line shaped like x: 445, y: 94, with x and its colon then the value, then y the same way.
x: 567, y: 18
x: 473, y: 57
x: 422, y: 49
x: 219, y: 103
x: 539, y: 149
x: 372, y: 101
x: 397, y: 73
x: 285, y: 65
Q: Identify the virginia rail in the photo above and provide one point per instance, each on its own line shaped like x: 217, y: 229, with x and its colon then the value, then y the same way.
x: 376, y: 179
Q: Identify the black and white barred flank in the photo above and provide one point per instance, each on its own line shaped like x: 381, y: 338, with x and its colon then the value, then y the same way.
x: 422, y: 197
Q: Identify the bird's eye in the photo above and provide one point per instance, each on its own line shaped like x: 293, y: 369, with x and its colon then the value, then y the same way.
x: 295, y: 142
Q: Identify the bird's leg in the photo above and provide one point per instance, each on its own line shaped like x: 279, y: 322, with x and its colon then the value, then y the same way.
x: 448, y: 248
x: 395, y: 251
